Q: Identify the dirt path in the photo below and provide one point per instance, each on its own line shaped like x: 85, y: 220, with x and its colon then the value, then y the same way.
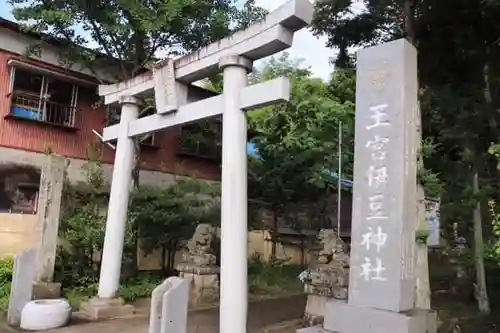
x: 260, y: 315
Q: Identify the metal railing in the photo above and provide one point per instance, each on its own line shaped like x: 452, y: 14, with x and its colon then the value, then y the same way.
x: 31, y: 107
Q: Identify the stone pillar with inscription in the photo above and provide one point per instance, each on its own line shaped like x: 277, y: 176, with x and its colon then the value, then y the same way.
x: 49, y: 211
x: 382, y: 258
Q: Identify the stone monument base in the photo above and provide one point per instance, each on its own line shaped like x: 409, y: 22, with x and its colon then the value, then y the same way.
x: 340, y: 317
x: 46, y: 290
x: 204, y: 284
x: 105, y: 308
x: 315, y: 309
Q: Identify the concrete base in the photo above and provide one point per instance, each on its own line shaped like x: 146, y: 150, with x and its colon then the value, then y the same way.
x: 204, y: 288
x: 344, y: 318
x: 100, y: 308
x: 46, y: 290
x: 315, y: 309
x: 431, y: 326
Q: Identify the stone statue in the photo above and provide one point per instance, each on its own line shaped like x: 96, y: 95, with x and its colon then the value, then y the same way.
x: 334, y: 248
x: 199, y: 265
x: 328, y: 277
x: 200, y: 252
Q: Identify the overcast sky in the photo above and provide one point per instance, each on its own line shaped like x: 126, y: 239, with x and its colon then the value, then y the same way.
x: 307, y: 47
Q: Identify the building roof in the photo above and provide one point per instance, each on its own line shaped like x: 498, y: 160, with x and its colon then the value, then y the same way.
x: 57, y: 42
x: 16, y: 27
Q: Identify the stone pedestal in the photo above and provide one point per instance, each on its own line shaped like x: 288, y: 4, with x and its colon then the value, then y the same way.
x: 204, y: 284
x: 327, y: 278
x: 106, y: 308
x: 326, y: 282
x: 345, y: 318
x: 315, y: 310
x: 46, y: 290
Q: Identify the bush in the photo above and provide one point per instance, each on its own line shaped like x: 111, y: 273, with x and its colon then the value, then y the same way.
x: 6, y: 267
x: 266, y: 278
x: 130, y: 290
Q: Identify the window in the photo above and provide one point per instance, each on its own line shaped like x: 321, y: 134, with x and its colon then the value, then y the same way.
x: 42, y: 98
x: 202, y: 139
x: 113, y: 118
x: 26, y: 199
x: 22, y: 199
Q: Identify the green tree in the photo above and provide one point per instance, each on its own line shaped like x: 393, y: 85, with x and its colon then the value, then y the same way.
x: 132, y: 31
x: 166, y: 216
x: 297, y: 141
x: 458, y: 73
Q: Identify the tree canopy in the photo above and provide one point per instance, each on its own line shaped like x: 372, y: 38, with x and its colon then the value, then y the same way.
x: 134, y: 32
x: 458, y: 48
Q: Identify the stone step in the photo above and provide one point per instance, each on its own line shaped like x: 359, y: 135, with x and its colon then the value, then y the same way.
x: 313, y: 329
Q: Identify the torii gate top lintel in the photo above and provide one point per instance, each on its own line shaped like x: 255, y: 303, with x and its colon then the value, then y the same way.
x: 272, y: 34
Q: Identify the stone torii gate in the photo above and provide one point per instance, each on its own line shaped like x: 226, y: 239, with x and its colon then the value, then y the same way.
x: 171, y: 81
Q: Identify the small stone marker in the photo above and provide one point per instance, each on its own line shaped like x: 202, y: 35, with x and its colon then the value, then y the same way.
x: 383, y: 245
x: 21, y: 290
x: 169, y: 306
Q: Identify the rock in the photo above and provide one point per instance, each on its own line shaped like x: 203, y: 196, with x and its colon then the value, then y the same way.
x: 199, y: 265
x: 328, y: 277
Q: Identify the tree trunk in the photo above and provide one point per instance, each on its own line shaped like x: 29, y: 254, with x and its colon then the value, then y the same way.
x: 481, y: 292
x: 274, y: 235
x: 171, y: 255
x: 409, y: 20
x: 135, y: 227
x: 302, y: 251
x: 163, y: 259
x: 137, y: 164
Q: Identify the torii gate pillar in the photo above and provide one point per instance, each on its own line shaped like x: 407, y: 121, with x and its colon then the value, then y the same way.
x: 234, y: 203
x: 112, y: 251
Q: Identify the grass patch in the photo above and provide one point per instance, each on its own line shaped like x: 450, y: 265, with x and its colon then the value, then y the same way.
x: 130, y: 290
x: 273, y: 278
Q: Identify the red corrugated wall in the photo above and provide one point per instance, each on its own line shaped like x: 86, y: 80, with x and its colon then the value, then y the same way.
x: 38, y: 137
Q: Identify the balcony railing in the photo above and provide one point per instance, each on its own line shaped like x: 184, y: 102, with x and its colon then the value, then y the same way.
x: 29, y: 107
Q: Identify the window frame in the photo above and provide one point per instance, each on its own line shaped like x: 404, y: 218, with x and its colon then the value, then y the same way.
x: 69, y: 110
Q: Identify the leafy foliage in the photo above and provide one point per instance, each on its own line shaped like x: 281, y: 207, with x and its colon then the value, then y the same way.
x: 130, y: 290
x: 297, y: 142
x: 167, y: 216
x: 159, y: 218
x: 6, y: 267
x: 269, y: 278
x: 458, y: 47
x: 130, y: 31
